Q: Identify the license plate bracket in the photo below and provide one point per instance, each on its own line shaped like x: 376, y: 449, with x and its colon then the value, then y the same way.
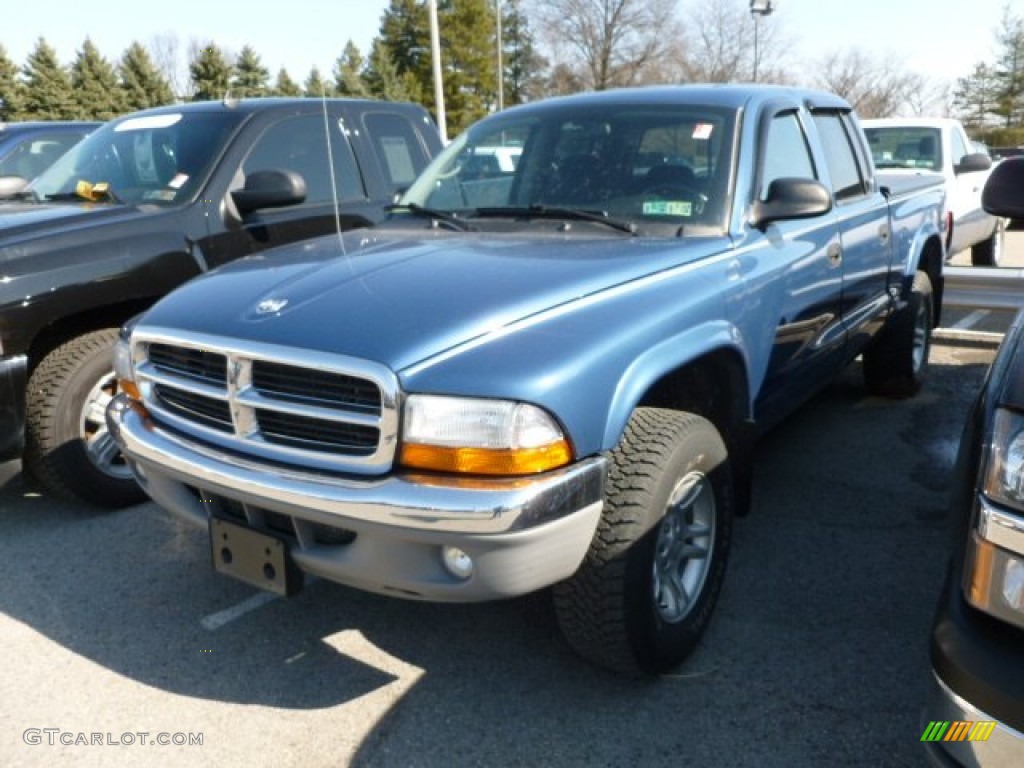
x: 254, y: 557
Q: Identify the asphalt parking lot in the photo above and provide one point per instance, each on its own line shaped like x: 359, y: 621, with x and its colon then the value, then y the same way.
x: 119, y: 635
x: 114, y: 624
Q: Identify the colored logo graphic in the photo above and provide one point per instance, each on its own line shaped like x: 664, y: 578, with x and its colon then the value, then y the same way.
x: 958, y: 730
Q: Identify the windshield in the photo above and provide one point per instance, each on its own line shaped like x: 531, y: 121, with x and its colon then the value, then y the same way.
x: 659, y: 167
x: 160, y: 159
x: 905, y: 147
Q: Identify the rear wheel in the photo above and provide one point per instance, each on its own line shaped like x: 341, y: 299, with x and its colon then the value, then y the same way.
x: 646, y: 589
x: 68, y: 448
x: 989, y: 252
x: 895, y: 365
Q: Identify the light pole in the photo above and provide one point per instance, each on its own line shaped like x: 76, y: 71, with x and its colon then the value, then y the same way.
x: 759, y: 8
x: 435, y: 56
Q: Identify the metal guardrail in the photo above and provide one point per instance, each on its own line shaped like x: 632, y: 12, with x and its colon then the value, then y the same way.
x: 984, y: 287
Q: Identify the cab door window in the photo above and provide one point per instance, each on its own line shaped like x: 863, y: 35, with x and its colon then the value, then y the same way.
x: 300, y: 144
x: 786, y: 153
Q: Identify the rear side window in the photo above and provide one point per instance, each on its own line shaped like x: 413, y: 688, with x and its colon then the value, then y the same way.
x: 847, y: 180
x: 397, y: 146
x: 299, y: 144
x: 786, y: 152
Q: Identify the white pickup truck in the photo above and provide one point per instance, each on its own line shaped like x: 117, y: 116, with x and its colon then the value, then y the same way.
x: 940, y: 144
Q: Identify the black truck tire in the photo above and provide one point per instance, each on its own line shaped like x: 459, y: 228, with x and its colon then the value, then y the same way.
x: 896, y: 364
x: 649, y: 583
x: 67, y: 447
x: 989, y: 252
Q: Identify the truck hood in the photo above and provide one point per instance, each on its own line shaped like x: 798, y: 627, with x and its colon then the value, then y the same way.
x: 22, y: 222
x: 399, y: 298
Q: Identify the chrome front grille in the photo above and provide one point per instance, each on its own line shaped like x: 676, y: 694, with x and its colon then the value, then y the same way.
x: 292, y: 406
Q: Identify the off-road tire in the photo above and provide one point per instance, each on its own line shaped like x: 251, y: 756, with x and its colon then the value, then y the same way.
x: 55, y: 454
x: 897, y: 363
x: 608, y: 610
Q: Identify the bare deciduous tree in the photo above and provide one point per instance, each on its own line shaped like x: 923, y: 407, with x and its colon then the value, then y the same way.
x: 720, y: 43
x: 876, y: 87
x: 165, y: 50
x: 609, y: 43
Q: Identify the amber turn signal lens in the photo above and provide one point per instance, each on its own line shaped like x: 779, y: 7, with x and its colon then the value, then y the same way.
x: 130, y: 388
x: 487, y: 461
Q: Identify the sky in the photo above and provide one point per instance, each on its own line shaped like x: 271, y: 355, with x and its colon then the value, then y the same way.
x: 942, y: 39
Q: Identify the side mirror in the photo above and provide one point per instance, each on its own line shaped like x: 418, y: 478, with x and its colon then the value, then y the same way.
x: 791, y: 198
x: 976, y: 161
x: 1003, y: 194
x: 269, y: 189
x: 11, y: 185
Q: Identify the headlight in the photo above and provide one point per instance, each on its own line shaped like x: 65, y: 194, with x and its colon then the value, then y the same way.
x: 484, y: 437
x: 1004, y: 471
x: 994, y: 571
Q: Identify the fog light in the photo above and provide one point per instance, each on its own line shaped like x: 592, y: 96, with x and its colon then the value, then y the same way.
x: 457, y: 562
x: 994, y: 580
x: 1013, y: 585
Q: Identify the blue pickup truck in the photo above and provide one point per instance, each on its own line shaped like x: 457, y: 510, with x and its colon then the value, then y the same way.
x: 547, y: 371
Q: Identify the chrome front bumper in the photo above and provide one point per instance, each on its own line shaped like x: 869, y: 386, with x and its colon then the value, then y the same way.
x: 521, y: 533
x: 1003, y: 747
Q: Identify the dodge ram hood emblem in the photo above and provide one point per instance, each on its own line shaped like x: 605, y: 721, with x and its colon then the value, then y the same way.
x: 269, y: 306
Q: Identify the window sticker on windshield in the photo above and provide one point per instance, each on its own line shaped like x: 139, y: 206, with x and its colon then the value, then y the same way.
x: 667, y: 208
x: 150, y: 121
x: 702, y: 131
x: 178, y: 181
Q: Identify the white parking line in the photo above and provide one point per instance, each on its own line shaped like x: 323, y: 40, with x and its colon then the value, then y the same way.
x: 220, y: 618
x: 970, y: 320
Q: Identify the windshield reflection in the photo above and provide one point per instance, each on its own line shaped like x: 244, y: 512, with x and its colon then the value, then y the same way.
x: 659, y: 167
x: 155, y: 159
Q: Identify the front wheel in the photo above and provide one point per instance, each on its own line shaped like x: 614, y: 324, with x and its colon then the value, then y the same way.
x: 68, y: 449
x: 649, y: 583
x: 895, y: 365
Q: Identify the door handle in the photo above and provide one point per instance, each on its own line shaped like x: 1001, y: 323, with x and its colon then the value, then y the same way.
x: 883, y: 233
x: 835, y: 254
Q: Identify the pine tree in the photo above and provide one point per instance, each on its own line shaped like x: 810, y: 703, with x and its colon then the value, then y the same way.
x: 285, y: 86
x: 142, y: 86
x: 348, y: 73
x: 251, y: 77
x: 405, y: 31
x: 95, y: 85
x: 975, y: 96
x: 468, y: 61
x: 315, y: 87
x: 1009, y: 69
x: 47, y: 92
x: 211, y: 74
x: 383, y: 80
x: 10, y: 87
x: 523, y: 66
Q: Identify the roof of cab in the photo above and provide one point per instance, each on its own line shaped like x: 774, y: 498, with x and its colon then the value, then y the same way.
x: 247, y: 106
x: 733, y: 95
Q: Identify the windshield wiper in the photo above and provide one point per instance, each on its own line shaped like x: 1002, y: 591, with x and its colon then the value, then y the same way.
x: 25, y: 194
x: 445, y: 217
x: 541, y: 211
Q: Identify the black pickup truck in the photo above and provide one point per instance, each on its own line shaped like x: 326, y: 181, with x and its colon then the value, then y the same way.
x: 145, y: 203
